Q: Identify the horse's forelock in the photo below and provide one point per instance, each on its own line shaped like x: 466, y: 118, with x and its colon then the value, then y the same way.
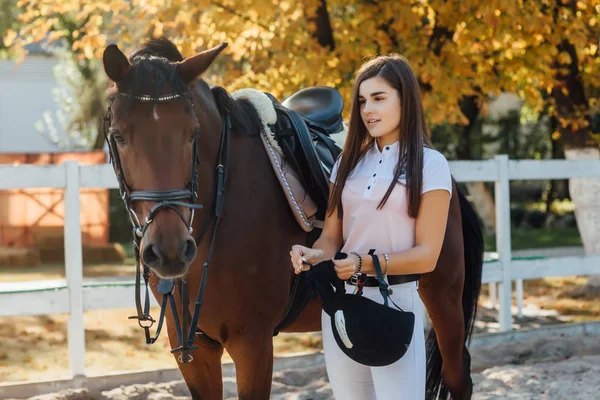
x: 153, y: 72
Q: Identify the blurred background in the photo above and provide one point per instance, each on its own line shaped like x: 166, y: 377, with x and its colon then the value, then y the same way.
x: 520, y: 78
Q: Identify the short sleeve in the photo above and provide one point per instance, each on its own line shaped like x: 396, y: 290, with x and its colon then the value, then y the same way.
x: 334, y: 170
x: 436, y: 172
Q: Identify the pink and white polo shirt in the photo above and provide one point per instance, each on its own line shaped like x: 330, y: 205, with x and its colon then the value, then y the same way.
x: 390, y: 229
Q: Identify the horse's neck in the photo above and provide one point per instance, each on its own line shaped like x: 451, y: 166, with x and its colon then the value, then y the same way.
x: 209, y: 142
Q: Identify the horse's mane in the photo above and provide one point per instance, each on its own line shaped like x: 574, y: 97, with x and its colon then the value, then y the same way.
x: 153, y: 67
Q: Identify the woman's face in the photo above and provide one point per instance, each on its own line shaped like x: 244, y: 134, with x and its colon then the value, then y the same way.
x: 380, y: 109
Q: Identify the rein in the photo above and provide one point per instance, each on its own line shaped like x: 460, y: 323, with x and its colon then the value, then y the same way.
x: 172, y: 199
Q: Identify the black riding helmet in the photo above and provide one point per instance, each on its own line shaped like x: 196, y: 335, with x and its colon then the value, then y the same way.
x: 370, y: 333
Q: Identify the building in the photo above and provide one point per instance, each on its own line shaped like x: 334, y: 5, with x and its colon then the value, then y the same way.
x: 26, y: 96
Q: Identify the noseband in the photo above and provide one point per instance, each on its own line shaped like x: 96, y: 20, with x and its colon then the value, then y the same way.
x: 171, y: 199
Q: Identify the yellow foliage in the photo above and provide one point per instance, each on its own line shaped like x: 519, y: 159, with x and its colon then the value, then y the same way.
x: 487, y: 46
x: 555, y: 135
x: 9, y: 38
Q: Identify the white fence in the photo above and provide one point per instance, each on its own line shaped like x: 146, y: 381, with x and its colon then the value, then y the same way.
x: 74, y: 297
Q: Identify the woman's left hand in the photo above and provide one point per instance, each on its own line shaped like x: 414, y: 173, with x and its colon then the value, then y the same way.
x: 347, y: 267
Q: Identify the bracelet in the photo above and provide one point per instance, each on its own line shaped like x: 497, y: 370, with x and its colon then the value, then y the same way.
x: 387, y: 259
x: 359, y: 262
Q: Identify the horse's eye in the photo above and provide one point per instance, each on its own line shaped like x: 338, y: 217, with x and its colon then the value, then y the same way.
x: 118, y: 138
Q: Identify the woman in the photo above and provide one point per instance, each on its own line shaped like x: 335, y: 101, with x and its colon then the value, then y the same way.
x: 390, y: 191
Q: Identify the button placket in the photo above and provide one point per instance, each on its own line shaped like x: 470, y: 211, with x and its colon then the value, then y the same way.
x: 370, y: 184
x: 374, y: 177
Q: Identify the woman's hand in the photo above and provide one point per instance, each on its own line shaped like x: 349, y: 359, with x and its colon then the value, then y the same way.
x: 299, y: 253
x: 347, y: 267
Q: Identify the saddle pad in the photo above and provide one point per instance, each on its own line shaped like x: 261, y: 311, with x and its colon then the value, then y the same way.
x: 303, y: 207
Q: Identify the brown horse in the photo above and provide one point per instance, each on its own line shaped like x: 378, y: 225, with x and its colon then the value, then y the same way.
x: 176, y: 142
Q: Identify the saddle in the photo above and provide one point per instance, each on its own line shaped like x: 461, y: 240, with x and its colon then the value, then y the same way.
x: 303, y: 136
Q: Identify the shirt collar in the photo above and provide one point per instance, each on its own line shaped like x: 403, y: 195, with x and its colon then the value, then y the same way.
x: 389, y: 149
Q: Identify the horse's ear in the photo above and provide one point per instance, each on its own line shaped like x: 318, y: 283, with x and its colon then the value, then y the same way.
x: 190, y: 68
x: 116, y: 64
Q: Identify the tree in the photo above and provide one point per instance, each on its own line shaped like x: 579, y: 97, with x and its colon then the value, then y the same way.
x: 561, y: 37
x: 79, y: 72
x: 461, y: 50
x: 464, y: 52
x: 8, y: 11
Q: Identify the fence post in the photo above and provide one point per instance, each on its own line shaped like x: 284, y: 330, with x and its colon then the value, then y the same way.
x: 519, y: 289
x: 503, y: 245
x: 493, y: 294
x: 74, y: 270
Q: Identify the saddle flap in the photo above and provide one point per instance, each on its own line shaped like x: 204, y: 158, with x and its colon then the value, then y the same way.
x: 299, y: 142
x: 303, y: 207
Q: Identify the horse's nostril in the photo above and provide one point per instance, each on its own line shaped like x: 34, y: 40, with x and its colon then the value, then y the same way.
x: 152, y: 256
x: 188, y: 251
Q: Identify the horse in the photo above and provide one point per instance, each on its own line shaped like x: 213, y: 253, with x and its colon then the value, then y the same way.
x: 188, y: 157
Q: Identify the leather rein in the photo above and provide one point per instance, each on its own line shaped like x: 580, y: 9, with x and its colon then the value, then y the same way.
x: 172, y: 199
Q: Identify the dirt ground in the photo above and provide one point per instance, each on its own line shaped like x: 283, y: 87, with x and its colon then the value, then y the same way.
x: 35, y: 347
x: 544, y: 368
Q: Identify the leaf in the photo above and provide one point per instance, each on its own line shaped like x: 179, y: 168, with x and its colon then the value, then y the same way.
x: 9, y: 37
x: 564, y: 58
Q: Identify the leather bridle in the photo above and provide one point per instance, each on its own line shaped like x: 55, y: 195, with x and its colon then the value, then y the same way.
x: 171, y: 199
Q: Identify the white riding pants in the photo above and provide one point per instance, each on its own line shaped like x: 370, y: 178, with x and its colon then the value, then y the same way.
x: 403, y: 380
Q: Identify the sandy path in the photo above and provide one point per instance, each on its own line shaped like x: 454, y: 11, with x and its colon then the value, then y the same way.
x: 553, y: 367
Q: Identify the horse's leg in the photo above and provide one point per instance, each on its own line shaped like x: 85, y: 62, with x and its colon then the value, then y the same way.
x: 203, y: 375
x: 252, y: 353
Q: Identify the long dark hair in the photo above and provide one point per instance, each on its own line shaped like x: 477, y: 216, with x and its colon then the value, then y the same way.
x: 413, y: 132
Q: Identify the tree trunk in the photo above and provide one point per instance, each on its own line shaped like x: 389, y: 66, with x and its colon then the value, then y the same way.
x: 322, y: 30
x: 479, y: 193
x: 484, y: 204
x: 551, y: 191
x: 585, y: 193
x: 569, y: 96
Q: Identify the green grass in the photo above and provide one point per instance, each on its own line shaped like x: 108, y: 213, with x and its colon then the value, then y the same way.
x: 559, y: 207
x: 529, y: 238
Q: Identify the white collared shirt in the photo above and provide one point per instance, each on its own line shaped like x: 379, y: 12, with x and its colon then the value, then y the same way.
x: 390, y: 229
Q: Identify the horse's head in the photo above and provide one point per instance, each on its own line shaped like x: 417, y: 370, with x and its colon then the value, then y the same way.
x: 156, y: 120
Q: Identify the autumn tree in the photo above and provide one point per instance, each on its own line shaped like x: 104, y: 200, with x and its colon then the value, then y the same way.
x: 553, y: 65
x: 464, y: 52
x: 8, y: 10
x: 461, y: 50
x: 74, y: 28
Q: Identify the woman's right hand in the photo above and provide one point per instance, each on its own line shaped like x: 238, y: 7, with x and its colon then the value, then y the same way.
x: 302, y: 253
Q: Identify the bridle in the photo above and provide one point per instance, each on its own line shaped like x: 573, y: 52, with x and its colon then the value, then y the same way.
x: 171, y: 199
x: 163, y: 198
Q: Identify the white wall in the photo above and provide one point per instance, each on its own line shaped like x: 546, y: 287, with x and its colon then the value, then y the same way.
x: 25, y: 95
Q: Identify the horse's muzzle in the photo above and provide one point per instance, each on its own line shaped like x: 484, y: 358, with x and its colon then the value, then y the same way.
x: 169, y: 260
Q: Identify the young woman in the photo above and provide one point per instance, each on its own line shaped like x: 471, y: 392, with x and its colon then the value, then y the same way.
x: 390, y: 191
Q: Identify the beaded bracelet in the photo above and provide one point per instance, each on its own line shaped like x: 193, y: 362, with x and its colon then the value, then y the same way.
x: 359, y: 262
